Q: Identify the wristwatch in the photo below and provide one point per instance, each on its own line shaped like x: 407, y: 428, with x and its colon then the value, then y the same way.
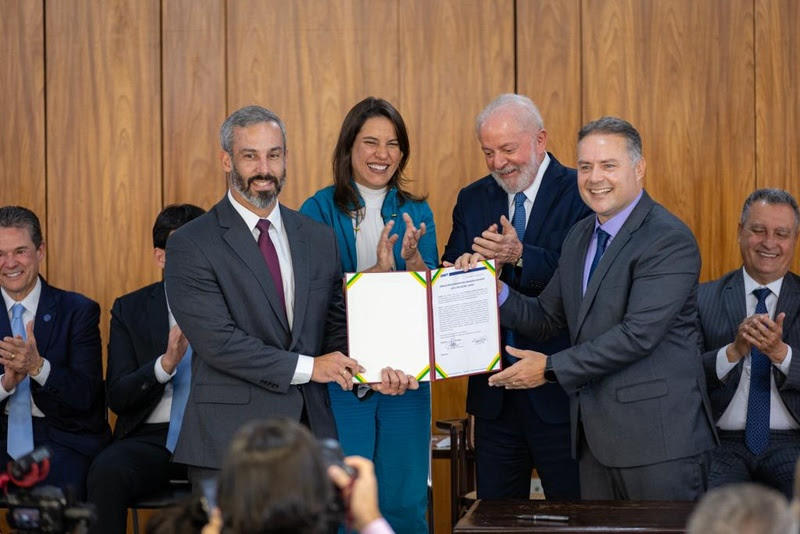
x: 549, y: 374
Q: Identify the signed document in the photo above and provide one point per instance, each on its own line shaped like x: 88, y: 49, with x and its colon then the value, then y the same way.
x: 430, y: 324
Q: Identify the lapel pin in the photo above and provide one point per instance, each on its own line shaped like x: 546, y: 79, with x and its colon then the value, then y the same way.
x: 47, y: 318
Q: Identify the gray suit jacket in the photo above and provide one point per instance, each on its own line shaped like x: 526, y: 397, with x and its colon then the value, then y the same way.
x: 633, y: 373
x: 721, y: 308
x: 221, y: 294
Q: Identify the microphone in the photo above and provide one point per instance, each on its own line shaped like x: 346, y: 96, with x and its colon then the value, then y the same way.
x: 32, y: 467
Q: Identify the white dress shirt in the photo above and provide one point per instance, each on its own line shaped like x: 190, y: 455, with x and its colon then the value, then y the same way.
x: 735, y: 415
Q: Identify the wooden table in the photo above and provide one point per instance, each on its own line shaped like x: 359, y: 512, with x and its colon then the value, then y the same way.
x: 584, y: 516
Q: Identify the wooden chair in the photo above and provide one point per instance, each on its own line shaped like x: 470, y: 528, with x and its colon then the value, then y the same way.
x: 462, y: 465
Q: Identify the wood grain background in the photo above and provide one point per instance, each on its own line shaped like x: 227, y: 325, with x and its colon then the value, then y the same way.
x: 111, y: 108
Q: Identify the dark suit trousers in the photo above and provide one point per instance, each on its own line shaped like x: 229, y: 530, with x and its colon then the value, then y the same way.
x: 509, y: 447
x: 68, y: 467
x: 126, y: 470
x: 733, y: 462
x: 683, y: 479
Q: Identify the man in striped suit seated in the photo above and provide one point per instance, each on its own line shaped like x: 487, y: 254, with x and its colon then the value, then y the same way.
x: 749, y: 332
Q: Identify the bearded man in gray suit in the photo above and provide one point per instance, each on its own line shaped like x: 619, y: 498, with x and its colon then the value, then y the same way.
x: 625, y: 288
x: 257, y: 289
x: 752, y: 373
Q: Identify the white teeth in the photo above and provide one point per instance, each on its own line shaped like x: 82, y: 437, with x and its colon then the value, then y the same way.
x: 767, y: 255
x: 14, y: 275
x: 600, y: 191
x: 376, y: 167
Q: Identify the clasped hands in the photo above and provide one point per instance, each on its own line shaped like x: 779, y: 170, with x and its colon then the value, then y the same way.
x: 336, y: 367
x: 502, y: 247
x: 764, y: 334
x: 19, y: 357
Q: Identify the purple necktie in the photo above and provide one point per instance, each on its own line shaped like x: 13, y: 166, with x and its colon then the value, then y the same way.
x: 267, y: 248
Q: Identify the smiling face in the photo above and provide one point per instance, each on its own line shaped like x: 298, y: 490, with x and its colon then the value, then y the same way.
x: 19, y: 262
x: 257, y: 170
x: 767, y: 239
x: 513, y: 154
x: 608, y: 179
x: 376, y: 153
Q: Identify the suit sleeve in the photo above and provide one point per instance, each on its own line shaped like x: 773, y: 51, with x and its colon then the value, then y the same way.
x: 336, y: 321
x: 76, y: 364
x: 202, y: 311
x: 460, y: 241
x: 129, y: 385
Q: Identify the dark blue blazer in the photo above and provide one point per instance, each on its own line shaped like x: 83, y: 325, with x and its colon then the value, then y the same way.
x: 139, y: 335
x: 557, y: 207
x: 72, y: 399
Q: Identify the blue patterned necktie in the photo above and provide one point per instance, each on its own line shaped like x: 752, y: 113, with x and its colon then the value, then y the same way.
x: 20, y: 422
x: 518, y: 222
x: 602, y: 241
x: 756, y: 432
x: 181, y: 383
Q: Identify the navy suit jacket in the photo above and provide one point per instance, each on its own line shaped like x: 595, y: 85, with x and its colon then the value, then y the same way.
x: 556, y: 208
x: 721, y: 308
x: 221, y: 293
x: 72, y: 399
x: 139, y: 335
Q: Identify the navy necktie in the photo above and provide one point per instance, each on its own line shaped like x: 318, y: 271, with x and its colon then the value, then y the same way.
x: 518, y: 222
x: 602, y: 241
x: 267, y: 248
x: 20, y: 423
x: 181, y: 383
x: 756, y: 432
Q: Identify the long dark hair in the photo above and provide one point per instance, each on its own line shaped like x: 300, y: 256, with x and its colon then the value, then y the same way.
x: 345, y: 194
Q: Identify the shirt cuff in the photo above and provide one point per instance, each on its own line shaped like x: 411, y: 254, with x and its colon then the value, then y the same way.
x: 503, y: 295
x: 787, y: 361
x: 162, y: 376
x: 3, y: 392
x: 41, y: 378
x: 378, y: 526
x: 304, y: 370
x: 723, y: 365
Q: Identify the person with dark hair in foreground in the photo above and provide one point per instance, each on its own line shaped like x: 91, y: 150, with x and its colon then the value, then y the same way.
x: 276, y: 479
x: 145, y: 351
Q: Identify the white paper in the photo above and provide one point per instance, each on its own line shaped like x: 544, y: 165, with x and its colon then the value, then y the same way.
x: 387, y: 323
x: 465, y: 325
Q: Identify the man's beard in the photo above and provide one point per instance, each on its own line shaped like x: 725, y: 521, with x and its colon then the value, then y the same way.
x: 261, y: 199
x: 525, y: 177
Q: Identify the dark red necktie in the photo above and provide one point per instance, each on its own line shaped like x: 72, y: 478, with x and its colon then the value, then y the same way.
x: 267, y: 248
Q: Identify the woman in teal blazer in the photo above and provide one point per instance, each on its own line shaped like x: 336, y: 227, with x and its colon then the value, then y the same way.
x: 380, y: 226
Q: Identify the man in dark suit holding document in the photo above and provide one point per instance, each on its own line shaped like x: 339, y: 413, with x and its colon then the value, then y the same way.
x: 626, y: 288
x: 257, y: 289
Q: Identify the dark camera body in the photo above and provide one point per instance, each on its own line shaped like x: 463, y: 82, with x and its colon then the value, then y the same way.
x: 44, y: 509
x: 332, y: 454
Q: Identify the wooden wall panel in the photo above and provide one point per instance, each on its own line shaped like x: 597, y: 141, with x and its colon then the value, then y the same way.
x: 777, y: 87
x: 457, y: 56
x: 310, y: 62
x: 104, y: 145
x: 193, y: 100
x: 23, y: 178
x: 681, y: 72
x: 548, y: 67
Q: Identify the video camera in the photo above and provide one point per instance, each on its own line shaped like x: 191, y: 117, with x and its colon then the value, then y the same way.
x: 43, y: 509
